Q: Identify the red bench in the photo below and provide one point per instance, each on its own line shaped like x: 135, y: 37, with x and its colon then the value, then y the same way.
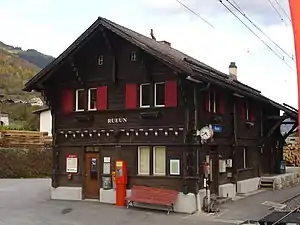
x: 155, y: 196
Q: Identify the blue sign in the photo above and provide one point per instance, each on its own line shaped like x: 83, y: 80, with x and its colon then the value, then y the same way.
x: 217, y: 128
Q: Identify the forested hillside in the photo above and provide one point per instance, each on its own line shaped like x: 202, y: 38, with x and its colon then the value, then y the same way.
x: 16, y: 68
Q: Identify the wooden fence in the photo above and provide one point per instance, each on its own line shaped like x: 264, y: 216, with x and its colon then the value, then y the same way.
x: 24, y: 139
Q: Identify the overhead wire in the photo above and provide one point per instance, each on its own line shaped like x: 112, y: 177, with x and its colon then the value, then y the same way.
x: 266, y: 44
x: 195, y: 13
x: 277, y: 12
x: 238, y: 8
x: 282, y: 9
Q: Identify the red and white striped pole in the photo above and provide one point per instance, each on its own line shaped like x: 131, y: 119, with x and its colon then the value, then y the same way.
x: 295, y: 15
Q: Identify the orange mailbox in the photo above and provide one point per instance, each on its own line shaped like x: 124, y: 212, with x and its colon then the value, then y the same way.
x: 121, y: 181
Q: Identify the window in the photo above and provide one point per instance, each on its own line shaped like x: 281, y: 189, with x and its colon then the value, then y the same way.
x: 212, y: 102
x: 80, y: 100
x: 245, y: 158
x: 159, y: 160
x: 246, y: 108
x: 144, y: 160
x: 133, y: 56
x: 145, y: 95
x: 92, y: 99
x: 159, y: 94
x: 100, y: 60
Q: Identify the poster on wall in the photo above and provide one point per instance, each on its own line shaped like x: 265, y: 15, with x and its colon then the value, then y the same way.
x: 72, y: 163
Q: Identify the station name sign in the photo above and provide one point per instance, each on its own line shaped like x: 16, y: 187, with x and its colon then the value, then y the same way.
x: 117, y: 120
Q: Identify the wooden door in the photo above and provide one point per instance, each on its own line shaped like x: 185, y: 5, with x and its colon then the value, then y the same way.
x: 92, y: 176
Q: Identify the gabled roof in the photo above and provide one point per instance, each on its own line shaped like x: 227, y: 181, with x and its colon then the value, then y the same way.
x: 165, y: 53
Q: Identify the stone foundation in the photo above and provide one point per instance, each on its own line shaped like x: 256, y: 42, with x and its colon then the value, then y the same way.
x: 66, y: 193
x: 246, y: 186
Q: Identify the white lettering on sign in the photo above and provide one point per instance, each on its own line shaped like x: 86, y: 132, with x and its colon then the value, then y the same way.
x: 117, y: 120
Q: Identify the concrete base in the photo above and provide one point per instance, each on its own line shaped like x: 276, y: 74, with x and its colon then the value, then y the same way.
x: 184, y: 203
x: 249, y: 185
x: 66, y: 193
x: 227, y: 190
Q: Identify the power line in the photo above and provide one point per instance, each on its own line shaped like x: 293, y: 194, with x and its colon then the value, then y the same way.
x: 236, y: 6
x: 195, y: 13
x: 273, y: 6
x: 255, y: 34
x: 282, y: 9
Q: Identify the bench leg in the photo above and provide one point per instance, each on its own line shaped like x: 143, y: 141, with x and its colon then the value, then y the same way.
x: 171, y: 208
x: 128, y: 204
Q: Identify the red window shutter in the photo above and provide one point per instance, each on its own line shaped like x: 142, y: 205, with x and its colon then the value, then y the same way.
x: 221, y: 104
x: 131, y: 96
x: 102, y: 98
x: 242, y: 109
x: 206, y: 100
x: 67, y: 101
x: 171, y: 93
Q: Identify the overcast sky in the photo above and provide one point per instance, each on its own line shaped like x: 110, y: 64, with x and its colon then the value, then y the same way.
x: 50, y: 26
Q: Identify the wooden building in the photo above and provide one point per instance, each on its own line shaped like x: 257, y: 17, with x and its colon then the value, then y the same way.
x: 116, y: 94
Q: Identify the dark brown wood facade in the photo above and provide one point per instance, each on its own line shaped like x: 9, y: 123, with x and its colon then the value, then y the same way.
x: 118, y: 127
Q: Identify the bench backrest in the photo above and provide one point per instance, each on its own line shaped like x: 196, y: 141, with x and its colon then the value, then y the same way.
x: 157, y: 194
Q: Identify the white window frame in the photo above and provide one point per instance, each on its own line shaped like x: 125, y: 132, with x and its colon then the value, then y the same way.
x: 133, y: 56
x: 139, y: 162
x: 212, y: 101
x: 100, y: 60
x: 76, y: 100
x: 245, y: 158
x: 141, y: 96
x: 89, y: 99
x: 154, y: 151
x: 155, y: 94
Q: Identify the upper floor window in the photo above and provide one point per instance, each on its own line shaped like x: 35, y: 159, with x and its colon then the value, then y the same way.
x: 215, y: 102
x: 80, y: 100
x: 159, y: 94
x: 212, y: 102
x: 92, y: 99
x: 133, y: 56
x: 246, y: 110
x: 145, y: 95
x: 100, y: 60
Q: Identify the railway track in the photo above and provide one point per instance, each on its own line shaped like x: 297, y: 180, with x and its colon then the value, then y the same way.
x: 291, y: 203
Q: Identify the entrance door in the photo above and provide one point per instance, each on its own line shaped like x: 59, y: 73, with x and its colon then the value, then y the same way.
x: 92, y: 177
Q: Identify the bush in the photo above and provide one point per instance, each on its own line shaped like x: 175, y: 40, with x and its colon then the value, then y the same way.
x: 25, y: 163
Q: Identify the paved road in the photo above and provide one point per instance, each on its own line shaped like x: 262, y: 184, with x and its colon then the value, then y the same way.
x: 26, y: 201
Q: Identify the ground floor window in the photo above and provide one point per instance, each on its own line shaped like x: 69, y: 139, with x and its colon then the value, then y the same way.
x: 158, y: 160
x: 245, y: 158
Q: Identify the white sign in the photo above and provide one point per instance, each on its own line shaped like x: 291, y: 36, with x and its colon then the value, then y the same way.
x: 106, y: 159
x: 117, y: 120
x: 71, y: 163
x: 174, y: 167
